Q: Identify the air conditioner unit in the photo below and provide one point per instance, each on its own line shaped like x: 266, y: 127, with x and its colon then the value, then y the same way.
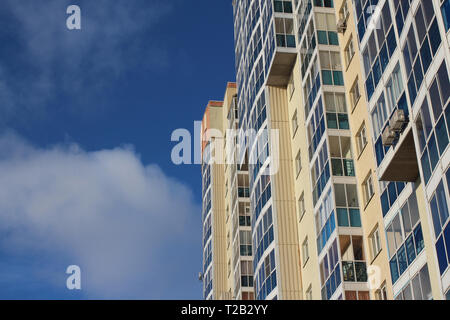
x: 397, y: 121
x: 247, y: 210
x: 341, y: 26
x: 388, y: 136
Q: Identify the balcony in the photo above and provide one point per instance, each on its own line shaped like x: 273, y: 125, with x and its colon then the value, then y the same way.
x: 400, y: 164
x: 285, y: 52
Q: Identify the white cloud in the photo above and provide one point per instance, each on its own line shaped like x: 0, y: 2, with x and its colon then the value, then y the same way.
x: 125, y: 224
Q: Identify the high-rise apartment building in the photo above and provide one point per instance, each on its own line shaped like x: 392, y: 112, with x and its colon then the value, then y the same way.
x: 342, y: 110
x: 227, y: 246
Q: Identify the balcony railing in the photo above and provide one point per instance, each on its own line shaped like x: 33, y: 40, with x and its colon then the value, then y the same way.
x: 354, y: 271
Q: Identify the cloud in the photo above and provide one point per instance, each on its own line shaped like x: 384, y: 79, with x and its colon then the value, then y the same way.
x: 42, y: 61
x: 128, y: 226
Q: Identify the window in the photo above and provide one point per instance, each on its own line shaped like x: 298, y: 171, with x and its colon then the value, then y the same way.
x: 301, y: 205
x: 285, y: 32
x: 419, y: 288
x: 445, y: 8
x: 347, y: 206
x: 283, y: 6
x: 381, y: 294
x: 353, y: 258
x: 330, y: 62
x: 418, y: 55
x: 375, y: 243
x: 327, y: 29
x: 380, y: 45
x: 266, y: 277
x: 298, y: 163
x: 305, y: 251
x: 330, y: 272
x: 336, y: 111
x: 291, y: 87
x: 309, y: 293
x: 355, y: 93
x: 246, y: 274
x: 440, y: 215
x: 361, y: 139
x: 341, y: 157
x: 349, y: 51
x: 294, y: 123
x: 404, y: 238
x: 245, y: 243
x: 368, y: 188
x: 344, y: 12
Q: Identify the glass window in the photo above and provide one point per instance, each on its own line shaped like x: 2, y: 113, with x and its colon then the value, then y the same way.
x: 352, y: 197
x: 435, y: 100
x: 442, y: 203
x: 394, y: 269
x: 402, y: 260
x: 441, y: 135
x: 355, y: 218
x: 446, y: 14
x: 435, y: 37
x: 342, y: 217
x: 444, y: 82
x: 442, y: 257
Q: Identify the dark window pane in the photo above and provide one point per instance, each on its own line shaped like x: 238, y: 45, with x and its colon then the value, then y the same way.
x: 384, y: 58
x: 342, y: 217
x: 434, y: 155
x: 425, y: 54
x: 332, y: 121
x: 441, y: 135
x: 426, y: 166
x: 418, y: 73
x: 442, y: 203
x: 441, y: 254
x: 435, y: 216
x: 446, y: 15
x: 402, y: 261
x: 392, y: 193
x: 435, y: 100
x: 394, y: 269
x: 333, y: 38
x: 322, y: 37
x: 355, y: 218
x: 444, y: 82
x: 410, y: 250
x: 418, y: 239
x: 392, y: 43
x: 435, y: 37
x: 420, y: 24
x: 343, y: 121
x: 426, y: 119
x: 407, y: 59
x: 412, y: 89
x: 385, y: 203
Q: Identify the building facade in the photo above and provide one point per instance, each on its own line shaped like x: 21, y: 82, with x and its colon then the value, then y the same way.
x: 341, y: 145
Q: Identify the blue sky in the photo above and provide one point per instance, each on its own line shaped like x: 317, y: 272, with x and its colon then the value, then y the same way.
x: 85, y: 124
